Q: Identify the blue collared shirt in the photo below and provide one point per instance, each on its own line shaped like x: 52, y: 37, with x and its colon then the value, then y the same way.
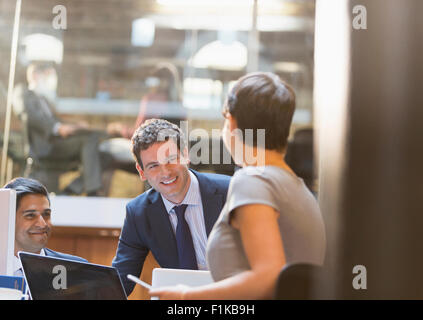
x: 195, y: 218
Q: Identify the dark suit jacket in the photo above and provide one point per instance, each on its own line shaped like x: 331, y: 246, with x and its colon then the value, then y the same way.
x: 147, y: 227
x: 55, y: 254
x: 41, y: 121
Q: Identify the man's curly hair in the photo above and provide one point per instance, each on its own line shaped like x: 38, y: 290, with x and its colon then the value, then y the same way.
x: 153, y: 131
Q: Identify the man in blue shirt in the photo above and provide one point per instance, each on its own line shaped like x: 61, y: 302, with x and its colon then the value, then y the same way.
x: 33, y: 221
x: 174, y: 218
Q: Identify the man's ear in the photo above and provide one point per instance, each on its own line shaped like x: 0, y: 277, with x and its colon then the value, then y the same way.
x: 140, y: 172
x: 231, y: 122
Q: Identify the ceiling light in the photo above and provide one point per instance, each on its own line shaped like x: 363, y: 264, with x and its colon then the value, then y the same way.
x: 142, y: 32
x: 43, y: 47
x: 218, y: 55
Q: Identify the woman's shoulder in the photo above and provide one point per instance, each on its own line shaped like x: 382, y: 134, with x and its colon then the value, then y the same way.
x: 251, y: 179
x: 261, y: 173
x: 245, y: 175
x: 271, y: 180
x: 250, y: 171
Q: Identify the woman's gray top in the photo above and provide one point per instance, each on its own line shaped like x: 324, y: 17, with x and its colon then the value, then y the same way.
x: 300, y: 220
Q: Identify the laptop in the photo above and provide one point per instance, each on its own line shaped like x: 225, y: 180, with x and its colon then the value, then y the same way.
x: 51, y: 278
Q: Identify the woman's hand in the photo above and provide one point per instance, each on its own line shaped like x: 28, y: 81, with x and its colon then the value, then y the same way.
x: 169, y: 293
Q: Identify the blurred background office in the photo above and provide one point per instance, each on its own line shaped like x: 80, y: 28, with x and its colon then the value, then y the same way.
x: 120, y: 62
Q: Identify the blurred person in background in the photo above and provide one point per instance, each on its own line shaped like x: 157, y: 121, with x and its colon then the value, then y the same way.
x: 162, y: 101
x: 159, y: 102
x: 52, y: 138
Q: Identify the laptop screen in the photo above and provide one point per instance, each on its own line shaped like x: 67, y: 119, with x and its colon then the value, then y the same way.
x: 51, y: 278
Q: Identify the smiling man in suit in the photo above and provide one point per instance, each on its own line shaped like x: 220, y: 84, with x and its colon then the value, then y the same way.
x: 174, y: 218
x: 33, y: 221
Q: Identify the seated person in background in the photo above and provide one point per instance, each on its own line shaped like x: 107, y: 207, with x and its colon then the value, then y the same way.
x: 270, y: 218
x: 54, y: 139
x: 33, y: 223
x: 174, y: 218
x: 163, y: 100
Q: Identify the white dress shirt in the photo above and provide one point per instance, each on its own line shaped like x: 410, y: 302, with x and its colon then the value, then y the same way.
x: 17, y: 265
x: 194, y: 215
x: 18, y: 270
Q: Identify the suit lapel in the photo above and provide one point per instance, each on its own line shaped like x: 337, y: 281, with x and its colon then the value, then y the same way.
x: 212, y: 200
x: 163, y: 232
x: 159, y: 218
x: 46, y: 108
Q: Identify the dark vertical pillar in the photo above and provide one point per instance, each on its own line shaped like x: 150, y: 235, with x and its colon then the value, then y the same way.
x: 379, y: 211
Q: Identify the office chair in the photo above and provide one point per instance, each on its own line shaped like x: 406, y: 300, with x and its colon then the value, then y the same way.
x: 296, y: 281
x: 299, y: 155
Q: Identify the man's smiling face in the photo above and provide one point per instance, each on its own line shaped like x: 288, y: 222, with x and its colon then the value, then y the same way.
x: 33, y: 224
x: 166, y: 170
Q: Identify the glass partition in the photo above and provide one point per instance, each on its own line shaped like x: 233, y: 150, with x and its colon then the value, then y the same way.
x: 119, y: 63
x: 9, y: 29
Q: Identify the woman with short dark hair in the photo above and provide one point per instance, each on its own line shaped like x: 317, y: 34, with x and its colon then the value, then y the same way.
x: 270, y: 218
